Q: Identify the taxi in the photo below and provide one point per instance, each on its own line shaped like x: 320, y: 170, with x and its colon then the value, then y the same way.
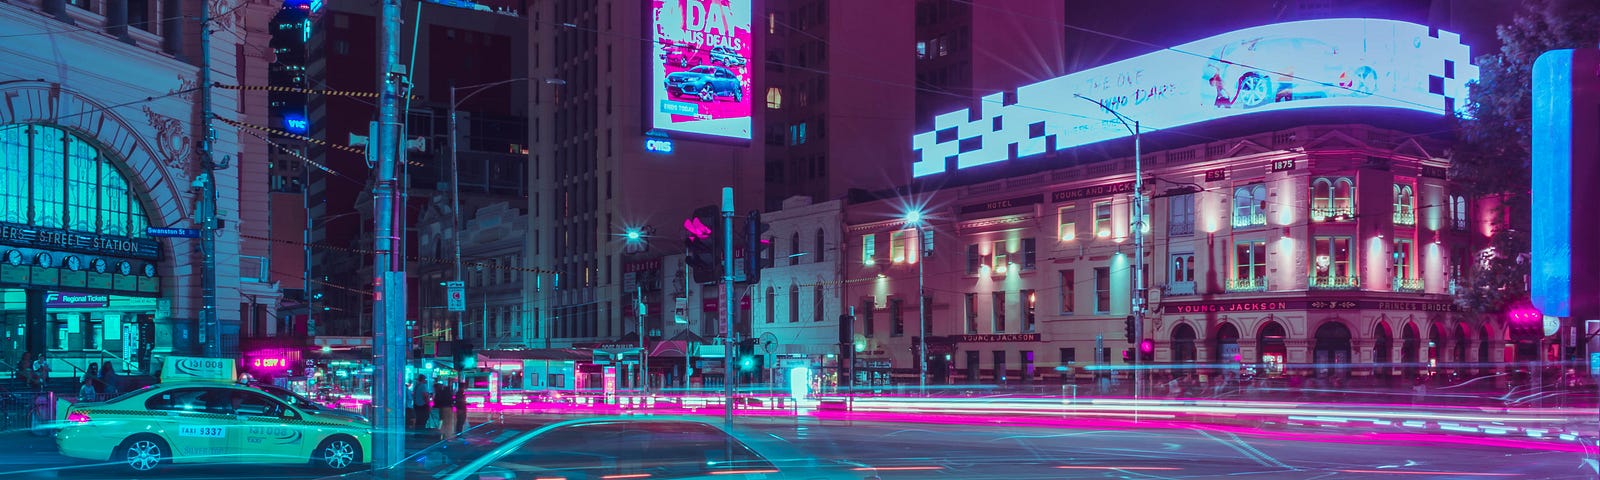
x: 202, y: 419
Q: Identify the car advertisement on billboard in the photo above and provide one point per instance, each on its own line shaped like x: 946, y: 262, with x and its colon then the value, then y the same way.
x: 1296, y: 65
x: 701, y: 67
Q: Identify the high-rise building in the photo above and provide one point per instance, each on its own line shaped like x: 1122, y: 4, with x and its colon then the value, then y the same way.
x: 966, y: 50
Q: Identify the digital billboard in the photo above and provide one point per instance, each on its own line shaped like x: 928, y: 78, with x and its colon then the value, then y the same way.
x: 1308, y: 64
x: 701, y: 67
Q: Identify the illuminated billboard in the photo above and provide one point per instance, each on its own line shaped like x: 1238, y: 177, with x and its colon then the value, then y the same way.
x: 1315, y: 63
x: 701, y: 67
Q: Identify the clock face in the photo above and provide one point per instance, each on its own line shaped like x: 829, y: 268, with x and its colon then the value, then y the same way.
x: 14, y: 257
x: 45, y: 260
x: 99, y: 265
x: 124, y: 268
x: 74, y: 263
x: 149, y: 270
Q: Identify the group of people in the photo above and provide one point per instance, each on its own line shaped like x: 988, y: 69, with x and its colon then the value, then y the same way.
x: 446, y: 398
x: 100, y: 382
x: 34, y: 370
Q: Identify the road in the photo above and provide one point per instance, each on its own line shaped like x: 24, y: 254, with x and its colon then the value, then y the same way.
x: 999, y: 449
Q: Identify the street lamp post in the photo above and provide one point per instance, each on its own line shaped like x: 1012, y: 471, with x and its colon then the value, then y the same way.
x: 1137, y: 225
x: 915, y: 218
x: 455, y: 178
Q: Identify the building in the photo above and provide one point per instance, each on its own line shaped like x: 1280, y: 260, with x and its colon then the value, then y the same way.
x: 289, y: 173
x: 342, y: 57
x: 968, y: 49
x: 798, y: 304
x: 491, y: 266
x: 602, y: 163
x: 90, y: 160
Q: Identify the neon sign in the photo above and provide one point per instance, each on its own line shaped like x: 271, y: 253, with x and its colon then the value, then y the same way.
x: 1315, y: 63
x: 296, y: 123
x: 270, y: 363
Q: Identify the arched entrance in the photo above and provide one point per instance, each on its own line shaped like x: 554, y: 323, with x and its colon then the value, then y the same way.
x: 1483, y: 349
x: 1410, y: 347
x: 1225, y: 346
x: 1331, y: 353
x: 1462, y: 341
x: 1437, y: 340
x: 1270, y: 347
x: 1183, y: 348
x: 1382, y: 351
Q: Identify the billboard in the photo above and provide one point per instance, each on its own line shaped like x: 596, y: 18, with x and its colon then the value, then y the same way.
x: 1295, y: 65
x: 701, y: 68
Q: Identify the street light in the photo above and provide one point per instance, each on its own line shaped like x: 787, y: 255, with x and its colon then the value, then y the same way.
x: 635, y: 237
x: 455, y: 171
x: 914, y: 217
x: 1138, y: 241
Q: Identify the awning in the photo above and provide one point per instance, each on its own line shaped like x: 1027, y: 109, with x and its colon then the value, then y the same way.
x: 670, y: 348
x: 537, y: 354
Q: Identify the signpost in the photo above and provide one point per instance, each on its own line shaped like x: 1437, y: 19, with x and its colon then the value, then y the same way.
x: 457, y: 295
x: 172, y: 232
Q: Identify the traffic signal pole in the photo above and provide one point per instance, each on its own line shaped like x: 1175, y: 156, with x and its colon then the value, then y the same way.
x: 389, y: 303
x: 729, y: 338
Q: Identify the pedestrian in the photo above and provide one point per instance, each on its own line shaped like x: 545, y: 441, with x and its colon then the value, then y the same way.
x: 41, y: 371
x: 92, y: 375
x: 110, y: 383
x: 25, y: 368
x: 86, y: 392
x: 419, y: 402
x: 444, y: 400
x: 461, y: 407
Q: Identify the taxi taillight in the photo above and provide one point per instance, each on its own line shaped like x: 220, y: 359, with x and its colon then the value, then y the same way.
x: 78, y: 417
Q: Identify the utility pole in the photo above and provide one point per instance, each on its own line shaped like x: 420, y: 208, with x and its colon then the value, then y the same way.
x: 644, y: 356
x: 455, y: 215
x: 922, y: 314
x: 729, y: 304
x: 389, y: 300
x: 211, y: 331
x: 1137, y: 223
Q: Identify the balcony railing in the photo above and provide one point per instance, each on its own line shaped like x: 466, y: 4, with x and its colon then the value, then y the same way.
x: 1179, y: 288
x: 1335, y: 283
x: 1176, y: 229
x: 1408, y: 285
x: 1248, y: 284
x: 1255, y: 219
x: 1405, y: 218
x: 1332, y: 213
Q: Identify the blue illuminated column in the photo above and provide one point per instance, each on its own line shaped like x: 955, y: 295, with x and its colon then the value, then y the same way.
x: 1565, y: 270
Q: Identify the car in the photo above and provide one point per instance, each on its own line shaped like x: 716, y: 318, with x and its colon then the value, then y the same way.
x: 656, y: 448
x: 726, y: 56
x: 1265, y: 70
x: 706, y: 82
x: 307, y: 405
x: 680, y: 55
x: 209, y: 422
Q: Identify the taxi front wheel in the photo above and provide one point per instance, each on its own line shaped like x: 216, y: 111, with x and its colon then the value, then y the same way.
x: 339, y: 452
x: 142, y: 453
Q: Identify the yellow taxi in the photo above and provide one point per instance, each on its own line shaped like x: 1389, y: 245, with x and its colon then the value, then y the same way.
x: 199, y: 421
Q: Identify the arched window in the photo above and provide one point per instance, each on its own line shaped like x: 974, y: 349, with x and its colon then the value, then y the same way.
x: 51, y: 178
x: 794, y: 249
x: 1332, y: 199
x: 1344, y: 197
x: 794, y: 303
x: 1458, y: 211
x: 772, y: 301
x: 1183, y: 348
x: 1250, y: 206
x: 1404, y: 205
x: 817, y: 252
x: 1321, y: 199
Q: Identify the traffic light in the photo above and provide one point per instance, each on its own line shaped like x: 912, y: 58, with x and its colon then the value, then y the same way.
x: 1127, y: 328
x: 1524, y: 321
x: 847, y: 329
x: 755, y: 249
x: 1147, y: 350
x: 747, y: 363
x: 463, y: 356
x: 702, y: 245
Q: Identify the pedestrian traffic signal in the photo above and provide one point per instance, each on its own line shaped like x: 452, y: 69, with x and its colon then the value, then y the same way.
x: 1524, y: 321
x: 1128, y: 328
x: 702, y: 246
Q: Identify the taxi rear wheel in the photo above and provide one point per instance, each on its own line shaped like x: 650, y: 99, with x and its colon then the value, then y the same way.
x: 143, y: 453
x: 339, y: 452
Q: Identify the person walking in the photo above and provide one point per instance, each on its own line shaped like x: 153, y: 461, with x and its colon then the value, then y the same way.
x: 419, y: 403
x: 86, y: 391
x: 25, y: 369
x: 110, y: 383
x: 461, y: 407
x: 444, y: 400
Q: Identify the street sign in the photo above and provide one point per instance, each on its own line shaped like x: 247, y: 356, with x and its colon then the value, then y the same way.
x: 680, y: 310
x: 457, y: 295
x: 172, y: 232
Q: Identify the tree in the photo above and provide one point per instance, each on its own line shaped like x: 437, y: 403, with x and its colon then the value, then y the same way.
x: 1491, y: 157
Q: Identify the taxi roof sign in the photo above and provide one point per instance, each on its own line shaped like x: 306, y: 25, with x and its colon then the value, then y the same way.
x: 198, y: 369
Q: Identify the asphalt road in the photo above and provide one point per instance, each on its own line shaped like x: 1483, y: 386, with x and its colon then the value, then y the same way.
x: 978, y: 450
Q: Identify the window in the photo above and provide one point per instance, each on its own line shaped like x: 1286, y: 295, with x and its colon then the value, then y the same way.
x: 816, y: 304
x: 971, y: 302
x: 869, y: 249
x: 999, y: 323
x: 1330, y: 263
x: 897, y: 246
x: 794, y: 249
x: 867, y: 324
x: 1068, y: 289
x: 926, y: 245
x: 1102, y: 290
x: 1180, y: 275
x: 1404, y: 205
x: 1027, y: 254
x: 83, y: 179
x: 1030, y: 303
x: 794, y: 304
x: 49, y: 206
x: 1180, y: 214
x: 1102, y: 219
x: 1405, y: 267
x: 774, y: 98
x: 816, y: 251
x: 1250, y: 206
x: 1069, y: 356
x: 1332, y: 199
x: 974, y: 259
x: 772, y: 300
x: 897, y: 322
x: 1249, y: 266
x: 1458, y: 211
x: 1001, y: 263
x: 1066, y: 228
